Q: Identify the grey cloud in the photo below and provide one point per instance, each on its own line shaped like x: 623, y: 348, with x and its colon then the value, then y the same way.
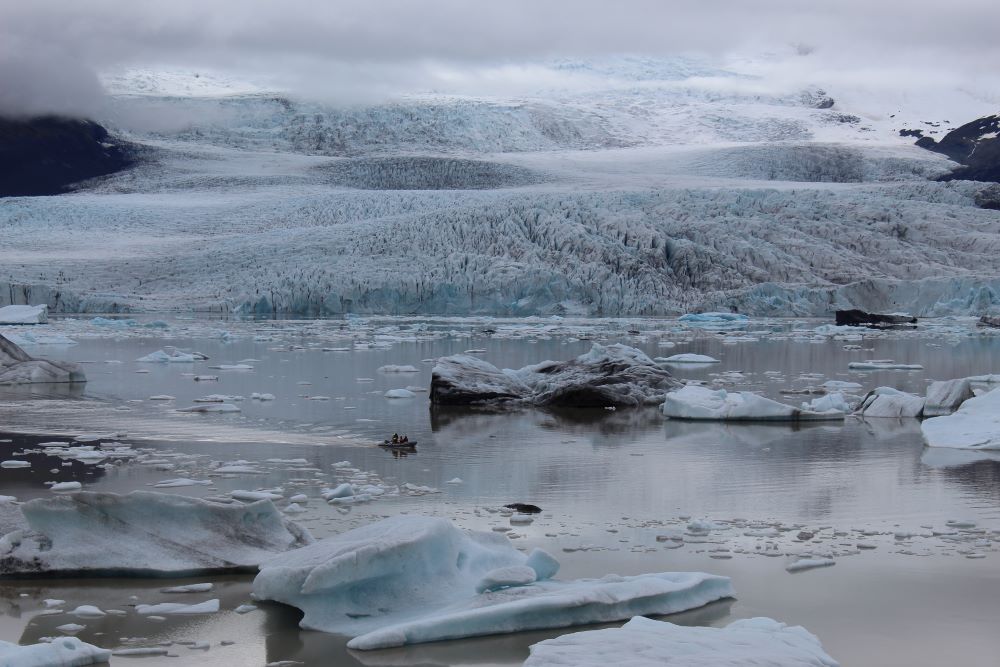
x: 369, y: 48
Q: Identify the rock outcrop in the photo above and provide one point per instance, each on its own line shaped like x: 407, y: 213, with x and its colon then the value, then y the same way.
x: 859, y: 318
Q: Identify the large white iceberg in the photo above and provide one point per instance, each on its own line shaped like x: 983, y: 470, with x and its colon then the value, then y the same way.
x: 643, y: 642
x: 24, y: 314
x: 612, y: 375
x: 18, y: 367
x: 60, y: 652
x: 145, y: 533
x: 407, y: 580
x: 975, y: 425
x: 702, y: 403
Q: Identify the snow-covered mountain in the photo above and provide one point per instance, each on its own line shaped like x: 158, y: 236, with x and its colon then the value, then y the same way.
x: 634, y: 186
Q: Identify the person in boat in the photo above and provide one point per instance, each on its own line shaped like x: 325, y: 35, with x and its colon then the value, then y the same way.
x: 395, y: 439
x: 404, y: 440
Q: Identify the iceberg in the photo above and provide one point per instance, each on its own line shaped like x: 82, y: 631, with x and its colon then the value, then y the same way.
x: 690, y: 358
x: 145, y: 533
x: 944, y: 397
x: 975, y: 425
x: 701, y: 403
x: 612, y: 375
x: 60, y: 652
x: 24, y: 314
x: 713, y: 317
x: 18, y: 367
x: 886, y: 402
x: 408, y: 580
x: 643, y: 642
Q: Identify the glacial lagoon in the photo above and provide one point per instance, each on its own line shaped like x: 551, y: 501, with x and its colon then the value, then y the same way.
x: 913, y: 531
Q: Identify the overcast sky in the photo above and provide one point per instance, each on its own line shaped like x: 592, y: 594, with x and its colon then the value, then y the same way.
x: 52, y: 50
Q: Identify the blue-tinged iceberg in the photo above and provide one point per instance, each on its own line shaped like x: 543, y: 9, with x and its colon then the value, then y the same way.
x: 408, y: 580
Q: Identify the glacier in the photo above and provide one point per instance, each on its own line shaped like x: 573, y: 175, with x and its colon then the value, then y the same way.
x: 410, y: 579
x: 652, y: 193
x: 643, y: 642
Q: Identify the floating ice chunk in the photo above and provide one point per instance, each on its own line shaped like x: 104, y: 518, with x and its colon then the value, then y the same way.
x: 455, y: 480
x: 168, y: 355
x: 882, y: 365
x: 253, y: 496
x: 161, y: 397
x: 803, y: 564
x: 886, y: 402
x: 18, y: 367
x: 841, y: 385
x: 15, y: 463
x: 299, y: 498
x: 238, y: 469
x: 342, y: 491
x: 179, y: 482
x: 147, y: 532
x: 232, y: 367
x: 399, y: 393
x: 690, y: 358
x: 944, y: 397
x: 261, y: 397
x: 975, y: 425
x: 294, y: 508
x: 61, y: 652
x: 87, y: 610
x: 64, y: 487
x: 189, y: 588
x: 67, y: 629
x: 24, y: 314
x: 211, y: 407
x: 833, y: 402
x: 178, y: 608
x: 409, y: 579
x: 701, y: 403
x: 245, y: 608
x: 391, y: 368
x: 643, y: 642
x: 505, y: 577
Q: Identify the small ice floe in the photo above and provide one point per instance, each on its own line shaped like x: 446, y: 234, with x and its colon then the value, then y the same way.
x: 178, y: 608
x: 803, y: 564
x: 24, y: 314
x: 87, y: 611
x: 294, y: 508
x: 886, y: 402
x: 66, y: 629
x: 161, y: 397
x: 253, y: 496
x: 211, y: 407
x: 752, y: 641
x: 841, y: 385
x: 206, y: 378
x: 179, y: 482
x: 455, y: 480
x: 261, y: 397
x: 238, y: 468
x: 15, y: 463
x: 882, y: 365
x: 189, y: 588
x: 169, y: 355
x: 245, y: 608
x: 688, y: 358
x: 399, y: 393
x: 975, y: 425
x: 392, y: 368
x: 700, y: 403
x: 433, y: 597
x: 232, y: 367
x: 833, y: 402
x: 61, y: 651
x: 65, y: 487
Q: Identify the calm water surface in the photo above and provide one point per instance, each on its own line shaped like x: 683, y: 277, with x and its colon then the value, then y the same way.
x: 609, y: 482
